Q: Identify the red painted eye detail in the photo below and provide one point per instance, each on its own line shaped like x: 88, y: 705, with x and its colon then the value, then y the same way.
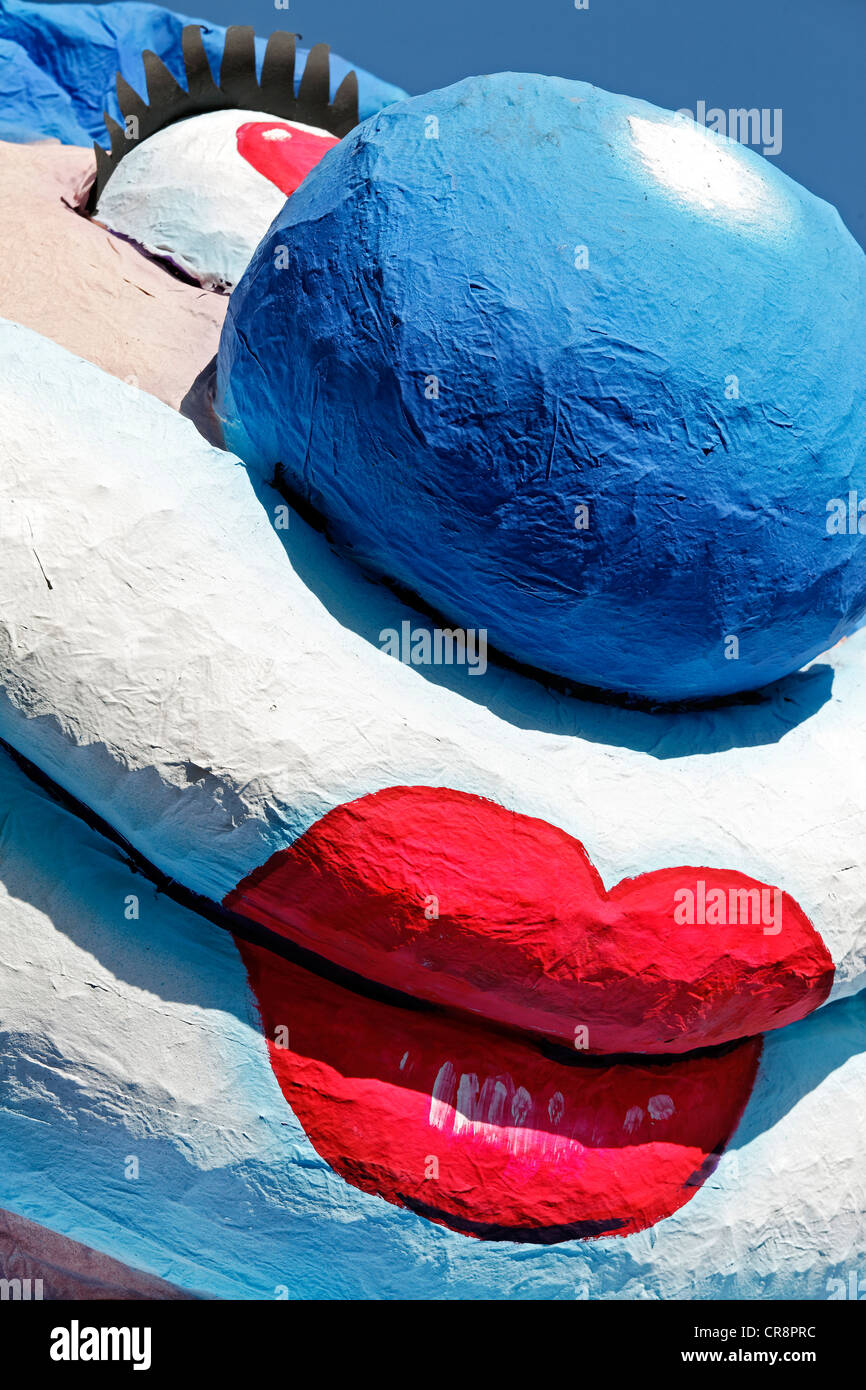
x: 478, y: 1130
x: 281, y: 152
x: 455, y: 900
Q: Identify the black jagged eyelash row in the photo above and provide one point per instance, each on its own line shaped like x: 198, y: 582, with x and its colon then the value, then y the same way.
x: 239, y: 87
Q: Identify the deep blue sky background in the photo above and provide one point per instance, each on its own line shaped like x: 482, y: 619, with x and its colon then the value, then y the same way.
x: 806, y: 56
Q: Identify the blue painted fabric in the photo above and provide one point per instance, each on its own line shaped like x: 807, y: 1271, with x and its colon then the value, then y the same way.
x: 499, y: 304
x: 58, y: 65
x: 32, y: 106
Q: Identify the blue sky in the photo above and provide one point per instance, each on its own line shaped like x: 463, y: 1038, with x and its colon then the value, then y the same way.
x: 804, y: 56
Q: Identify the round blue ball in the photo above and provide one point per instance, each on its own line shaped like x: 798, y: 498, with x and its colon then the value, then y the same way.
x: 575, y: 371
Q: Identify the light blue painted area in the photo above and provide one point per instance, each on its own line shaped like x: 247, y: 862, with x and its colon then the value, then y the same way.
x: 617, y: 309
x: 78, y: 49
x: 231, y: 1199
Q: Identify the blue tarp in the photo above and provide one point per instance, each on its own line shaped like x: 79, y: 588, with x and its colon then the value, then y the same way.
x: 58, y: 64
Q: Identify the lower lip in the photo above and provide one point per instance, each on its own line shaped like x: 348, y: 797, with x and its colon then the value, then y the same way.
x: 481, y: 1131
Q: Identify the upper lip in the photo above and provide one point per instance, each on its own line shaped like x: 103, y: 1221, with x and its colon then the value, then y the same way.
x: 472, y: 907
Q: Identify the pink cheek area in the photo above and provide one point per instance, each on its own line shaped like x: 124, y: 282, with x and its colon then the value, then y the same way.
x: 481, y: 1132
x: 281, y: 152
x: 456, y: 900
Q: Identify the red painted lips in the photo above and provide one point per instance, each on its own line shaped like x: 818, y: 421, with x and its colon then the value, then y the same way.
x: 476, y: 910
x: 453, y: 899
x: 481, y: 1131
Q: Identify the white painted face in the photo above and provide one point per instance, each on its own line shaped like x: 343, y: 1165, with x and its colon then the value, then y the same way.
x: 190, y: 678
x: 244, y: 636
x: 202, y: 193
x: 171, y: 665
x: 129, y: 1034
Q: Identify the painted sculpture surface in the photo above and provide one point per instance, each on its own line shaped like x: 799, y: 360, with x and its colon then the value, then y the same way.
x: 414, y: 964
x: 60, y: 79
x: 210, y: 233
x: 174, y: 1067
x: 618, y: 406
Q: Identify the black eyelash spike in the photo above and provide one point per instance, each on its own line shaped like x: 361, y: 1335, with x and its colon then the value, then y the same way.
x: 104, y: 170
x: 238, y: 68
x: 199, y: 78
x: 346, y: 105
x: 117, y: 135
x: 278, y: 71
x: 164, y: 92
x: 239, y: 89
x: 314, y: 91
x: 130, y: 103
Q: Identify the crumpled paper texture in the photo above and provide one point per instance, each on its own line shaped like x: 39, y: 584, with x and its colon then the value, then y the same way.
x: 248, y: 695
x: 141, y: 1038
x: 404, y: 260
x: 77, y: 50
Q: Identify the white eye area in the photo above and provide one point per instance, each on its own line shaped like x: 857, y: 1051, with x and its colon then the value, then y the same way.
x: 701, y: 168
x: 188, y: 195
